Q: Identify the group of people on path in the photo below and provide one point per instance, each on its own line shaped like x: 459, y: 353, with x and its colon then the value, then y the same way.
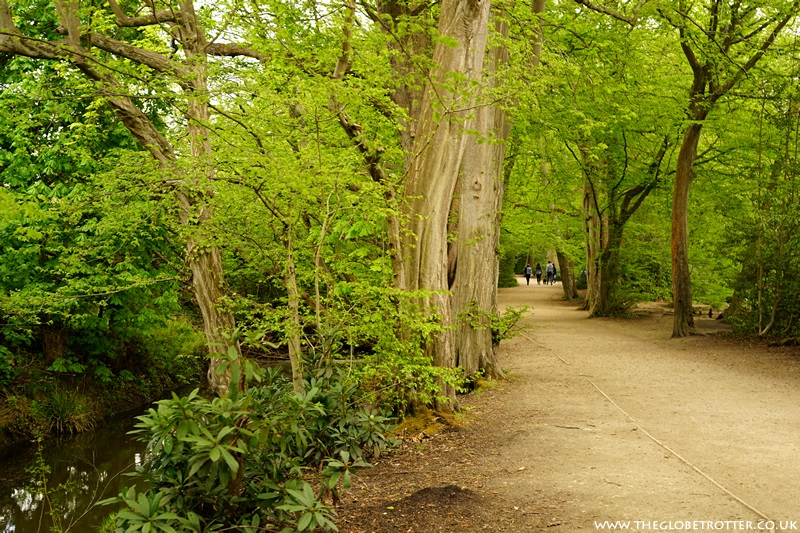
x: 549, y: 271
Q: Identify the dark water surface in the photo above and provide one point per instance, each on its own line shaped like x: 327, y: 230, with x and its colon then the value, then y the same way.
x: 83, y: 470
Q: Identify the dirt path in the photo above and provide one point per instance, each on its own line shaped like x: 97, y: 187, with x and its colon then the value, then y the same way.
x: 605, y: 420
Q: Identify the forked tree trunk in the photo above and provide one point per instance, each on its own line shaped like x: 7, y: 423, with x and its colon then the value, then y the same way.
x: 709, y: 84
x: 683, y: 320
x: 440, y: 143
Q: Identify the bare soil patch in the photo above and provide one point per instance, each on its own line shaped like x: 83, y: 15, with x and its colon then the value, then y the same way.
x: 602, y: 419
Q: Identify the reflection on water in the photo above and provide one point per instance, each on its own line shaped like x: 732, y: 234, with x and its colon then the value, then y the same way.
x: 83, y: 470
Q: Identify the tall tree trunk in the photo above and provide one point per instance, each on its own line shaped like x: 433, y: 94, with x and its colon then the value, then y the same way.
x: 440, y: 143
x: 711, y: 81
x: 567, y: 270
x: 477, y: 257
x: 683, y: 320
x: 592, y: 230
x: 205, y: 261
x: 293, y: 325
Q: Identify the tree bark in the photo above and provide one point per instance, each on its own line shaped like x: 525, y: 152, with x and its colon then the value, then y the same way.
x: 683, y: 319
x: 440, y: 144
x: 609, y: 278
x: 293, y: 326
x: 567, y: 270
x: 477, y: 259
x: 592, y: 229
x: 409, y: 80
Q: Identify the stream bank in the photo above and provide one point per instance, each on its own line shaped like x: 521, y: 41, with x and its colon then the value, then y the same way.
x: 68, y: 475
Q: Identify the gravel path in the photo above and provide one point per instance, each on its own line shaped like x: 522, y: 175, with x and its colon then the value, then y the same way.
x: 606, y: 421
x: 623, y: 423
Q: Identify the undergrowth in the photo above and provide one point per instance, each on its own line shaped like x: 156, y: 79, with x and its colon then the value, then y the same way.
x: 268, y: 458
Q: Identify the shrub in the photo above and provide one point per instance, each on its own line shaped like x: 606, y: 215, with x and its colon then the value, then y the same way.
x: 244, y: 462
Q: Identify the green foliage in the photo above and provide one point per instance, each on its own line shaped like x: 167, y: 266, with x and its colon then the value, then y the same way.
x: 64, y: 412
x: 506, y: 325
x: 7, y: 370
x: 243, y: 462
x: 645, y: 273
x: 385, y: 331
x: 508, y: 269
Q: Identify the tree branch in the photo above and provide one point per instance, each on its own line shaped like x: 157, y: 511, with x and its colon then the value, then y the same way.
x: 234, y: 50
x: 756, y: 56
x: 615, y: 14
x: 150, y: 59
x: 157, y: 17
x: 372, y: 157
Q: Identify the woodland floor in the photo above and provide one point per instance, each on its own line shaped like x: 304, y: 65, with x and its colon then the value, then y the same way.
x: 603, y: 419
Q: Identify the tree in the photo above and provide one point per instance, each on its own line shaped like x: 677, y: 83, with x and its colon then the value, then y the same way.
x: 103, y: 43
x: 452, y: 190
x: 441, y: 141
x: 716, y: 39
x: 474, y: 257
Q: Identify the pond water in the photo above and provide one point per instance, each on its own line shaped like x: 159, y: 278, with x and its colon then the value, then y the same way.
x: 83, y: 470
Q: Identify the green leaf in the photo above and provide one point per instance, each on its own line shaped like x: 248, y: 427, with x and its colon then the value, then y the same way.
x: 334, y: 479
x: 304, y: 521
x: 196, y: 466
x: 214, y: 454
x: 233, y: 464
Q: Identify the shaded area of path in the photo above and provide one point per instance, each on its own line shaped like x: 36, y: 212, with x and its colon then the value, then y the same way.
x: 590, y: 427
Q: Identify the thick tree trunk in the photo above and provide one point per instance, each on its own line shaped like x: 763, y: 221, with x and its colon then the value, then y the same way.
x: 607, y: 300
x: 406, y: 47
x: 218, y: 325
x: 440, y: 143
x: 475, y: 282
x: 683, y: 321
x: 477, y: 258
